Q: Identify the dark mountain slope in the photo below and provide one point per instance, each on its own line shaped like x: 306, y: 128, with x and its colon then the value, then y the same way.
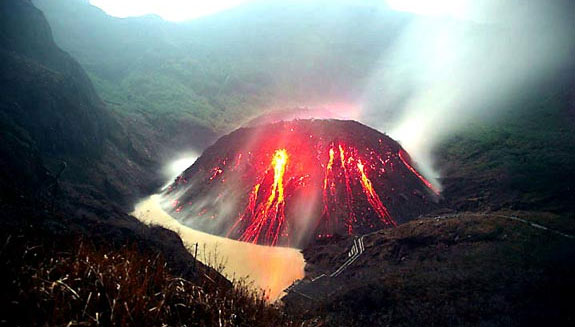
x: 67, y: 162
x: 69, y: 169
x: 523, y: 161
x: 54, y: 126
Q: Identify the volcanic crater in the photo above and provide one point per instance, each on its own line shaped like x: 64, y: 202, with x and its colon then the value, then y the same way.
x: 289, y: 183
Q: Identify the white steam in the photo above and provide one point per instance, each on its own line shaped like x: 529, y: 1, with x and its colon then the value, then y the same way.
x: 177, y: 166
x: 451, y: 67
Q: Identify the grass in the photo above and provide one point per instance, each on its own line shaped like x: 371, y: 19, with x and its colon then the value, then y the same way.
x: 85, y: 283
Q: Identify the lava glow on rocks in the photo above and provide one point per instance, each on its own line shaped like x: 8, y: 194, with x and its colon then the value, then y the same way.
x: 290, y: 183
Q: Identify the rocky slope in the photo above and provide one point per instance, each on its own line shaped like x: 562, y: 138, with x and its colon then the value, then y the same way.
x: 291, y: 182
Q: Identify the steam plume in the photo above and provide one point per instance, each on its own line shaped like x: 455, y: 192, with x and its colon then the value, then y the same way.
x: 446, y: 71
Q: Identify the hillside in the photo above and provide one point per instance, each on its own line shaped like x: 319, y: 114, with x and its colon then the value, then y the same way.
x: 523, y: 161
x: 55, y: 128
x: 70, y: 169
x: 228, y: 67
x: 458, y: 270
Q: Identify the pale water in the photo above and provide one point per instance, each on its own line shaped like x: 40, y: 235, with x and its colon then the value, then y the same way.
x: 270, y: 268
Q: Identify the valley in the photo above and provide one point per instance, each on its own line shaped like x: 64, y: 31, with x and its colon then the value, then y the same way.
x: 300, y: 210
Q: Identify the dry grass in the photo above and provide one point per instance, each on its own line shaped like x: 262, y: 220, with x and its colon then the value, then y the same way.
x: 467, y: 270
x: 88, y: 285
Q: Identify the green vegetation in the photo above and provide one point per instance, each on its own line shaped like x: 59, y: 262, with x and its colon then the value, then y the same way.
x: 524, y: 160
x: 224, y: 69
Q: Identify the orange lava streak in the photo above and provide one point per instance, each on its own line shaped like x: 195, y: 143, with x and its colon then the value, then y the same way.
x: 250, y: 209
x: 348, y: 193
x: 328, y: 171
x: 253, y: 199
x: 328, y: 168
x: 279, y: 163
x: 238, y: 161
x: 425, y: 181
x: 373, y: 198
x: 272, y: 212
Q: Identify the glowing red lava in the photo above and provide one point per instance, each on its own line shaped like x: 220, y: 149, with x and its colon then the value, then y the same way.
x: 292, y: 182
x: 271, y: 213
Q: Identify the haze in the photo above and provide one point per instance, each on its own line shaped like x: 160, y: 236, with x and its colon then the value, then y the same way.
x: 454, y: 61
x: 180, y: 10
x: 174, y: 10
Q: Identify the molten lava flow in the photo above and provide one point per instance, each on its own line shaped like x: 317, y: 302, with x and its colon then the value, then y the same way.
x: 270, y: 214
x: 253, y: 199
x: 348, y: 192
x: 293, y: 182
x: 373, y: 198
x: 215, y: 173
x: 425, y: 181
x: 279, y: 163
x: 329, y: 168
x: 326, y: 183
x: 238, y: 161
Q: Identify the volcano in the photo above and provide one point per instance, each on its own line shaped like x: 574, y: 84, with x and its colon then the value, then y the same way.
x: 290, y: 183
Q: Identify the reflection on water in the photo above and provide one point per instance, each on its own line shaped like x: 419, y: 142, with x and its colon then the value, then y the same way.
x: 270, y: 268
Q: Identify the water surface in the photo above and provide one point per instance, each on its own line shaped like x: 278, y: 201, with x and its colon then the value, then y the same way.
x: 270, y: 268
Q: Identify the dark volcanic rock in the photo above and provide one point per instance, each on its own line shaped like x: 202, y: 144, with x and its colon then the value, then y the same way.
x: 291, y: 182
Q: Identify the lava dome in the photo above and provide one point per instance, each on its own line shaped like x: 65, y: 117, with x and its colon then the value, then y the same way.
x: 290, y: 183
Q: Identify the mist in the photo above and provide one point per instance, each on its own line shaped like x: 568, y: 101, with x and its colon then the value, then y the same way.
x: 448, y: 69
x: 175, y: 166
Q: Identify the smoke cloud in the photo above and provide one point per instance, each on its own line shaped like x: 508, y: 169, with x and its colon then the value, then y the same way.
x: 450, y: 68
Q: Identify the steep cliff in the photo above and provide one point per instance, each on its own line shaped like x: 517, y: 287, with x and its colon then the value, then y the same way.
x: 55, y: 129
x: 69, y: 167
